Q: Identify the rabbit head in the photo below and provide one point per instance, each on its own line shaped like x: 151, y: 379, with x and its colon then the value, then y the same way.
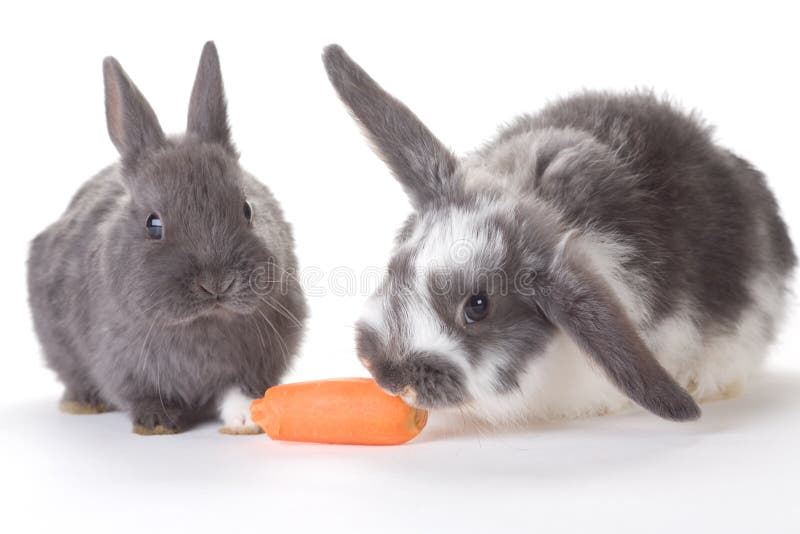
x: 188, y: 235
x: 480, y: 281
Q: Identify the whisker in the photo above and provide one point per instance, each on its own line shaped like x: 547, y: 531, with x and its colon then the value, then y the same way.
x: 156, y: 303
x: 158, y: 386
x: 285, y: 349
x: 258, y: 332
x: 285, y: 313
x: 143, y: 354
x: 150, y: 297
x: 288, y: 312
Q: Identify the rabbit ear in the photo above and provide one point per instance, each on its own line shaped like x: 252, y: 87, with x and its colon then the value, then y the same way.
x: 208, y: 114
x: 132, y: 124
x: 581, y: 304
x: 422, y: 164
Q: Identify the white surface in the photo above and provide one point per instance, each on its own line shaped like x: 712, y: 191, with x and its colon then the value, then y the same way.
x: 733, y: 471
x: 463, y: 68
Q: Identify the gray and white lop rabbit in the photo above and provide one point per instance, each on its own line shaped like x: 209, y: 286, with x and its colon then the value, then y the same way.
x: 163, y: 289
x: 601, y: 251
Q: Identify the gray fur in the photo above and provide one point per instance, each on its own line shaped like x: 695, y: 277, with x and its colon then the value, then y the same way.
x: 420, y: 162
x: 208, y: 116
x: 132, y: 124
x: 654, y: 175
x: 700, y: 221
x: 124, y: 320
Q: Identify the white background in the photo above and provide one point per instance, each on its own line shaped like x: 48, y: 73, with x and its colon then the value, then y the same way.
x: 464, y: 68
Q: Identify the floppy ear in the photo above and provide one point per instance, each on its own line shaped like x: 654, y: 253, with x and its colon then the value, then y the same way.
x: 422, y: 164
x: 208, y: 111
x: 132, y: 124
x: 581, y: 304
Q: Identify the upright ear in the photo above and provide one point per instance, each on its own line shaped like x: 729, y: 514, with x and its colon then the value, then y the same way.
x: 132, y: 124
x: 582, y: 305
x: 422, y: 164
x: 208, y: 111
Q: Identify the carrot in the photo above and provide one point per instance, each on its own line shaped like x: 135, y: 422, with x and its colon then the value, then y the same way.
x: 351, y: 411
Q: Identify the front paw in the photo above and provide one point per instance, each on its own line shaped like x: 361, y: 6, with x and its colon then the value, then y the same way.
x: 83, y: 402
x: 157, y: 422
x: 235, y: 413
x: 75, y: 407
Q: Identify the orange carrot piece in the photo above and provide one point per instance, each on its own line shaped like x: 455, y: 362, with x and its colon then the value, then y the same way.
x: 352, y: 411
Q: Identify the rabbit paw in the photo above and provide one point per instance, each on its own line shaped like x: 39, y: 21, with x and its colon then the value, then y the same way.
x: 156, y: 422
x: 725, y: 392
x: 82, y: 401
x: 158, y: 430
x: 235, y: 414
x: 75, y: 407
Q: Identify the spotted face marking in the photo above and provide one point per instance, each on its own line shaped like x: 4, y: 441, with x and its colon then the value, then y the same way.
x: 416, y: 336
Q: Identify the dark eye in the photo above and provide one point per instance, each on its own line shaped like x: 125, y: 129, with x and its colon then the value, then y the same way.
x: 476, y: 308
x: 155, y: 230
x: 248, y: 211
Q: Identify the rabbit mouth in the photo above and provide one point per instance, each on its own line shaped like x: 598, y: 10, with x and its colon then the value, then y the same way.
x: 428, y: 396
x: 413, y: 399
x: 222, y: 308
x: 219, y: 307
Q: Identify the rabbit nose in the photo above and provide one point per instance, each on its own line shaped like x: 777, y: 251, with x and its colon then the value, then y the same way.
x: 216, y: 286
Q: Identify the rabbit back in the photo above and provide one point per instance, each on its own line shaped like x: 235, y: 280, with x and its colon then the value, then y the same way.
x: 59, y: 285
x: 702, y: 221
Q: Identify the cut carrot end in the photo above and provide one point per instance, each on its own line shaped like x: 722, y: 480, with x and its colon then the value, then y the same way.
x: 420, y: 419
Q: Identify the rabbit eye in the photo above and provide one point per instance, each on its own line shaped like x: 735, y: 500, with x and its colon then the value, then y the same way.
x: 155, y: 229
x: 248, y: 211
x: 476, y: 308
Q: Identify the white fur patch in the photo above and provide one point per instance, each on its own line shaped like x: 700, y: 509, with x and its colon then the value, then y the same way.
x: 460, y: 238
x: 607, y: 253
x: 454, y: 240
x: 560, y: 383
x: 427, y: 333
x: 676, y: 342
x: 372, y: 315
x: 235, y: 412
x: 729, y: 360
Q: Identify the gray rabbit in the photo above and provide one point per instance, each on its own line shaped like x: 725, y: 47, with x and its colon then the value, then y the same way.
x: 602, y: 251
x: 166, y: 288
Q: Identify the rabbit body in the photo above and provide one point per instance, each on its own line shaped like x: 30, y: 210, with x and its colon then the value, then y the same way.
x: 602, y: 251
x: 170, y: 329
